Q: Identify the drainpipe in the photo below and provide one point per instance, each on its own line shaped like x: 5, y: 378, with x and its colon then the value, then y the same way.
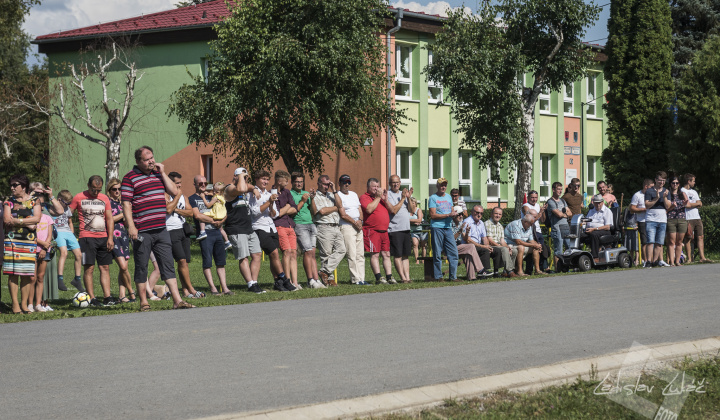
x: 398, y: 16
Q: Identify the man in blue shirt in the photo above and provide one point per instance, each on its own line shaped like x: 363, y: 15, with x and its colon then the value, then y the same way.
x: 441, y: 216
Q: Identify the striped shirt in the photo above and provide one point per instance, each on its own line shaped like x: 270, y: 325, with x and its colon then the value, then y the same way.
x: 147, y: 195
x: 495, y: 231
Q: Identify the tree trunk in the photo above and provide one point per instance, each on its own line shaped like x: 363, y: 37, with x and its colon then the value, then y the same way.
x: 525, y: 167
x: 288, y: 156
x: 112, y: 161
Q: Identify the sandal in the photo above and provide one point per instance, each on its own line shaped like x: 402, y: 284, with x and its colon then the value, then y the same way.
x: 190, y: 296
x: 123, y: 299
x: 145, y: 308
x: 154, y: 298
x: 216, y: 293
x: 184, y: 305
x: 132, y: 299
x: 229, y: 293
x: 199, y: 294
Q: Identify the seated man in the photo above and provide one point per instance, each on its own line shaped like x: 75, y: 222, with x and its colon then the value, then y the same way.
x: 496, y: 238
x: 520, y: 236
x: 599, y: 226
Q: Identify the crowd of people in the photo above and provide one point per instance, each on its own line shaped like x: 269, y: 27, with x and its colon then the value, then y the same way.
x: 283, y: 220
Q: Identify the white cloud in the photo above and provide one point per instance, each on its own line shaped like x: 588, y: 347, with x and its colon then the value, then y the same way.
x: 431, y: 8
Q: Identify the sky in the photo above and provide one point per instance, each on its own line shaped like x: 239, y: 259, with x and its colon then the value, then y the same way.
x: 59, y: 15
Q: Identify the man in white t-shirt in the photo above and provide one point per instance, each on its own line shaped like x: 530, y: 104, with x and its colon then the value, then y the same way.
x: 692, y: 214
x: 637, y: 207
x: 539, y: 216
x: 348, y: 204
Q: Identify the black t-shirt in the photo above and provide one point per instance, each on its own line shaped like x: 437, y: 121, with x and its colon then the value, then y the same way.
x: 651, y: 194
x: 196, y: 201
x: 238, y: 217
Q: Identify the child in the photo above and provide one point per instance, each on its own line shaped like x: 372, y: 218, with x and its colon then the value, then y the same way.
x: 217, y: 211
x: 66, y: 241
x: 44, y: 248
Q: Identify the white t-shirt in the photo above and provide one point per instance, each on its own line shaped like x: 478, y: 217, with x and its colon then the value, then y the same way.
x: 351, y: 205
x: 175, y: 221
x: 638, y: 199
x: 600, y: 218
x: 694, y: 213
x: 536, y: 207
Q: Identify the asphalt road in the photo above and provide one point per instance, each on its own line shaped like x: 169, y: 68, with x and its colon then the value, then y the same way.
x: 210, y: 361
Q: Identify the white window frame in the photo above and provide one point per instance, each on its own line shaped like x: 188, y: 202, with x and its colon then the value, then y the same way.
x: 492, y: 184
x: 544, y: 96
x: 431, y: 166
x: 398, y: 78
x: 545, y: 177
x: 398, y: 154
x: 206, y: 69
x: 591, y: 80
x: 465, y: 181
x: 432, y: 84
x: 208, y: 168
x: 591, y: 169
x: 569, y: 99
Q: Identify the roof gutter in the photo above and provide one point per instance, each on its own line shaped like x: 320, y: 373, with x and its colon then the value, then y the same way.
x: 399, y: 16
x: 121, y: 33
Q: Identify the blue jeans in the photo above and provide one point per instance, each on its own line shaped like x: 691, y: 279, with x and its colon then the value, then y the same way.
x: 558, y: 241
x: 655, y: 232
x: 444, y: 240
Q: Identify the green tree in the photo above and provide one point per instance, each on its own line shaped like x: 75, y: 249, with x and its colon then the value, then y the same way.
x: 480, y: 59
x: 693, y: 21
x: 641, y: 92
x: 291, y: 80
x: 698, y: 99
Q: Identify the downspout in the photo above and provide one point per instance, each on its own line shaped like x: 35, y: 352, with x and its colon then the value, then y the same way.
x: 398, y: 16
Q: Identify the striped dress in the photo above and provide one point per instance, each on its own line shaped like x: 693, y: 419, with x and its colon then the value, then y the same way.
x: 20, y: 242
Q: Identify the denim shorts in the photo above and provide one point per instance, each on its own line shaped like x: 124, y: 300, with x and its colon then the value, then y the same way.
x: 306, y: 236
x: 655, y: 232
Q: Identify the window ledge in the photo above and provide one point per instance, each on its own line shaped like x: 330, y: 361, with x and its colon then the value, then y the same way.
x: 402, y: 99
x: 547, y: 113
x: 594, y: 118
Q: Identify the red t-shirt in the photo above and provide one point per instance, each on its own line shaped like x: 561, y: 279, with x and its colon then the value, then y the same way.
x: 378, y: 219
x: 91, y: 212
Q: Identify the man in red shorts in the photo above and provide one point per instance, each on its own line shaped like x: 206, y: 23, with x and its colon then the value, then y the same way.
x: 376, y: 220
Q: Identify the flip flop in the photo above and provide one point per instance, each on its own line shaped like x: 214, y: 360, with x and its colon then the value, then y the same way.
x: 145, y: 308
x: 199, y: 294
x: 184, y: 305
x: 216, y: 293
x: 154, y: 298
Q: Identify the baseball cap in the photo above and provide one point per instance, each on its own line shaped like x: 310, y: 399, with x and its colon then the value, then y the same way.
x: 239, y: 171
x: 597, y: 198
x: 458, y: 209
x: 441, y: 181
x: 344, y: 179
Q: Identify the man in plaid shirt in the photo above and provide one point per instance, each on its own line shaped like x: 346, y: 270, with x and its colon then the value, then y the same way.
x: 496, y: 237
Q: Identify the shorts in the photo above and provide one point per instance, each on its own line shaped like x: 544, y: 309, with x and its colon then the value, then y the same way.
x: 420, y: 236
x: 244, y: 245
x: 67, y: 239
x: 643, y: 233
x: 180, y: 245
x: 269, y: 241
x: 376, y: 241
x: 656, y: 232
x: 306, y: 236
x: 677, y: 226
x: 287, y: 238
x: 695, y: 228
x: 213, y: 247
x: 400, y: 243
x: 514, y: 250
x: 156, y: 241
x: 95, y: 250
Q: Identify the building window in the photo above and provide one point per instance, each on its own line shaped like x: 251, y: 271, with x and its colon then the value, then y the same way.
x: 591, y: 166
x: 207, y: 167
x: 544, y: 100
x: 591, y: 82
x: 465, y: 187
x: 435, y: 168
x: 568, y: 100
x: 205, y: 63
x: 404, y: 168
x: 493, y: 188
x: 403, y: 70
x: 435, y: 90
x: 545, y: 176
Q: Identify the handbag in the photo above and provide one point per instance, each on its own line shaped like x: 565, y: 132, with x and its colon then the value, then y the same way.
x: 188, y: 229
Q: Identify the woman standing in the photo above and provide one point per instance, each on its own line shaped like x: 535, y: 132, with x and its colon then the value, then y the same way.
x: 419, y: 238
x: 121, y: 251
x: 676, y: 222
x: 21, y: 213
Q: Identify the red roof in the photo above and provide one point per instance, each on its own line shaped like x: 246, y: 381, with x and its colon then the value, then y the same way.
x: 204, y: 14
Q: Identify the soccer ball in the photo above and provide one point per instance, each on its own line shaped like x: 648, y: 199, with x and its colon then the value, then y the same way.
x: 81, y: 300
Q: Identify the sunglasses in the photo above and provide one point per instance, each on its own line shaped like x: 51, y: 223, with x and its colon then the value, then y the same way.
x: 115, y: 189
x: 348, y: 183
x: 202, y: 183
x: 14, y: 185
x: 675, y: 183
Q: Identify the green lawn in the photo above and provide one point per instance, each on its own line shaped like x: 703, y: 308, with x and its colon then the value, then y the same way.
x: 578, y: 400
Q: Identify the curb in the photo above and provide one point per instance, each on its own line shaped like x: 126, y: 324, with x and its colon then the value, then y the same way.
x: 522, y: 380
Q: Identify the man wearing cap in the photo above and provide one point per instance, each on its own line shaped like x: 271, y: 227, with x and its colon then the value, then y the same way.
x: 599, y: 225
x: 443, y: 239
x: 376, y: 220
x: 400, y: 207
x: 329, y: 238
x: 348, y: 204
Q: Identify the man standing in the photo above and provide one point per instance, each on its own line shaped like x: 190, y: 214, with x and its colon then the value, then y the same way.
x: 286, y: 226
x: 305, y: 229
x: 96, y: 237
x: 329, y: 237
x: 599, y: 225
x: 177, y: 211
x: 695, y: 225
x: 441, y: 215
x: 609, y: 199
x: 519, y: 235
x: 144, y: 207
x: 213, y: 246
x: 263, y: 210
x: 238, y: 227
x: 348, y: 204
x: 478, y: 236
x: 496, y: 239
x: 376, y: 220
x: 559, y: 216
x: 400, y: 208
x: 656, y: 203
x: 573, y: 197
x: 637, y: 207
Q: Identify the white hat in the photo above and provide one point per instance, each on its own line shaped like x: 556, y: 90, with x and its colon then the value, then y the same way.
x: 458, y: 209
x: 239, y: 171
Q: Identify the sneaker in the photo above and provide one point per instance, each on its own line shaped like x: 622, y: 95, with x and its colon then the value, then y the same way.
x: 287, y: 284
x: 647, y: 264
x: 392, y: 281
x: 255, y: 288
x: 30, y: 308
x: 228, y: 245
x: 97, y: 303
x: 48, y: 308
x: 297, y: 286
x: 316, y: 284
x: 279, y: 286
x: 662, y: 263
x: 77, y: 283
x: 201, y: 236
x: 109, y: 301
x: 484, y: 273
x: 381, y: 281
x: 40, y: 308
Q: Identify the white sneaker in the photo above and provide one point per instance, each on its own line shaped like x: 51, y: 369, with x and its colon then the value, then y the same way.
x: 40, y: 308
x: 48, y: 308
x: 30, y: 308
x: 662, y: 263
x: 381, y: 281
x: 316, y: 284
x: 392, y: 281
x: 297, y: 286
